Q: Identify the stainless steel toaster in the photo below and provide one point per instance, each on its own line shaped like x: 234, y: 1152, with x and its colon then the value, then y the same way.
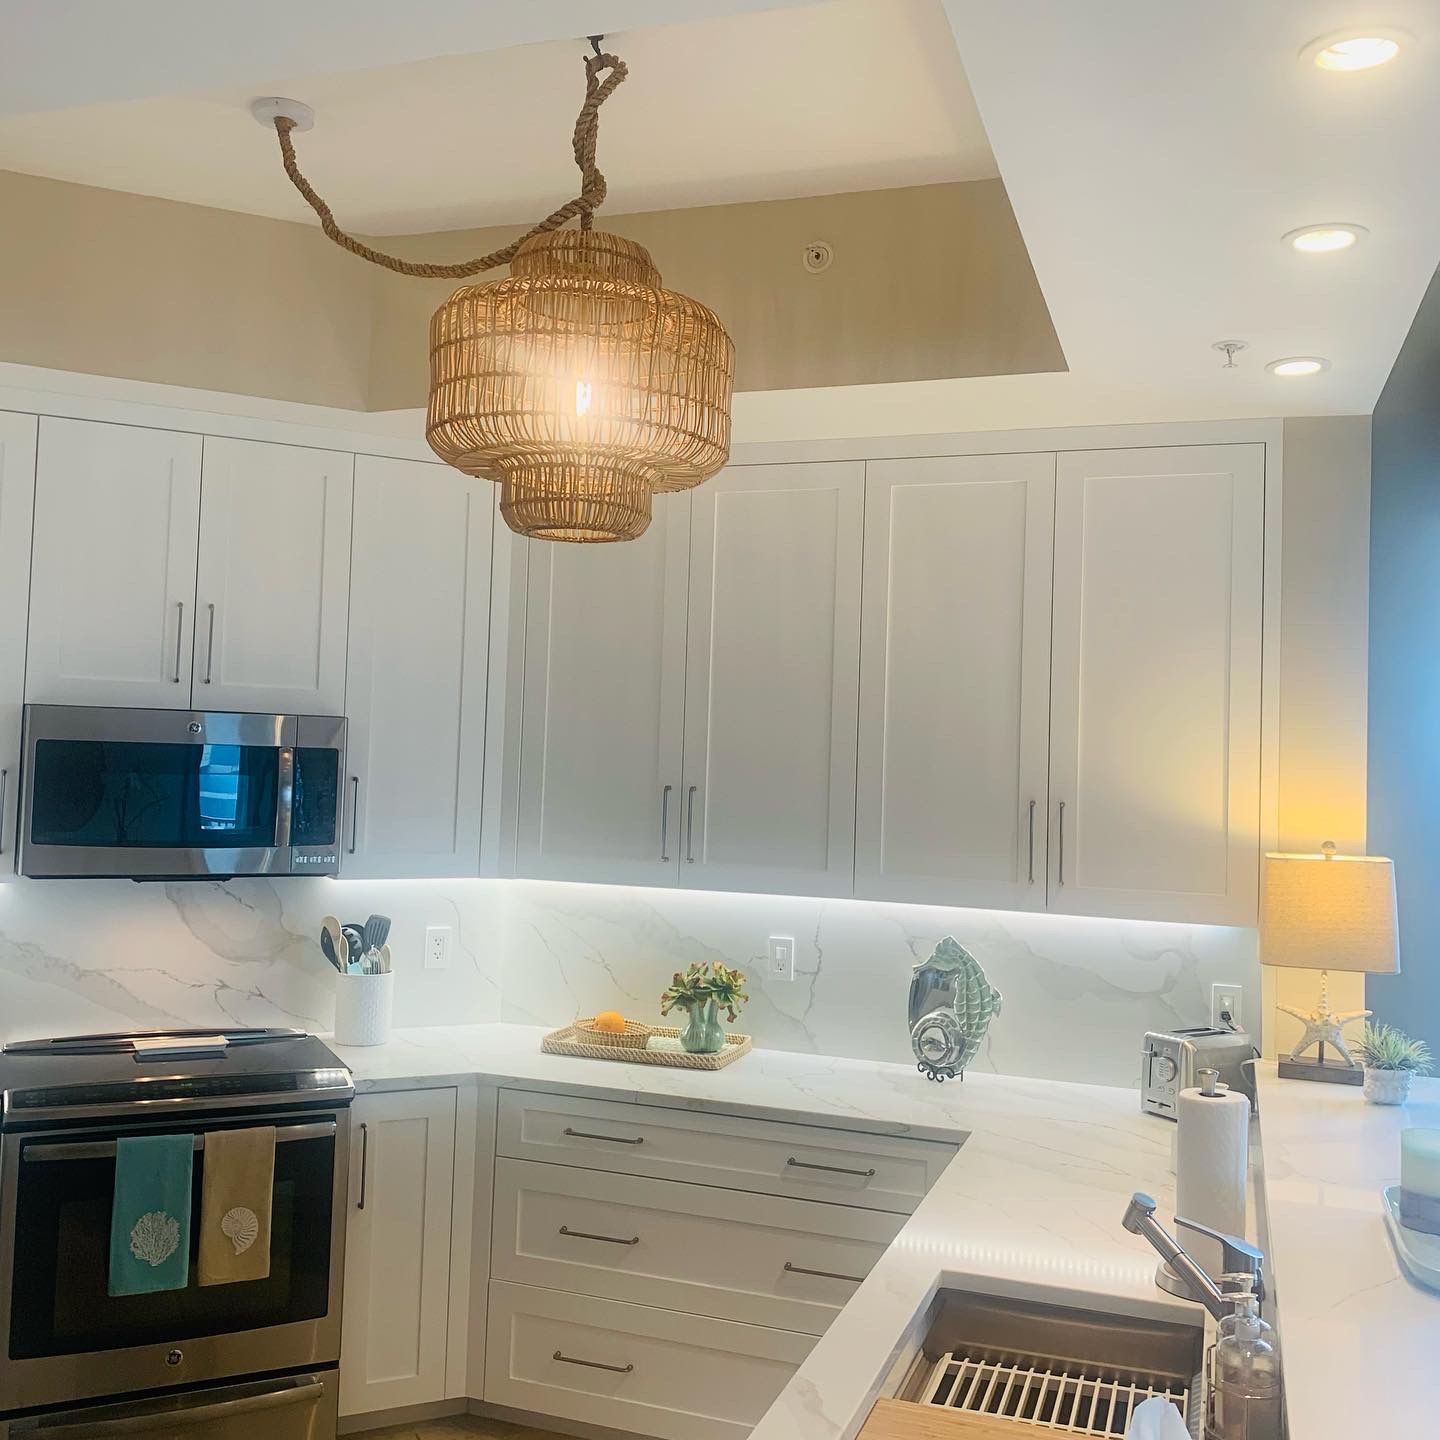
x: 1172, y: 1060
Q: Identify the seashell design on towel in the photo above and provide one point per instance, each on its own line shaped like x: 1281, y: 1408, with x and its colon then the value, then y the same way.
x: 240, y: 1226
x: 154, y: 1237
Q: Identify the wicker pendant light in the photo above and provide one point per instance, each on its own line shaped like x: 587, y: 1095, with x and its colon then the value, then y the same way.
x: 579, y: 384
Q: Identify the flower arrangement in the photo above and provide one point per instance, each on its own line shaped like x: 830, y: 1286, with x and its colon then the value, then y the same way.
x: 706, y: 981
x: 1391, y: 1059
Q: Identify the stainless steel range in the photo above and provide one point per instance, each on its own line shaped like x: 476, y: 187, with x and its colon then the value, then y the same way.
x: 212, y: 1361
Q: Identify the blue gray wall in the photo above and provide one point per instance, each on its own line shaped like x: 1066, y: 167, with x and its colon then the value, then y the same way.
x: 1404, y: 746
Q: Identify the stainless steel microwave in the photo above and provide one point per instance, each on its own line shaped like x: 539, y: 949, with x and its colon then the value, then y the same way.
x: 178, y: 794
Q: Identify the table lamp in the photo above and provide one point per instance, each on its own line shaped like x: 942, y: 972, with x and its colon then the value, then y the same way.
x: 1328, y: 912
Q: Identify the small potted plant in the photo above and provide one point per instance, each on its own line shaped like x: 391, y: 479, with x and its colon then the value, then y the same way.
x: 702, y: 992
x: 1391, y: 1058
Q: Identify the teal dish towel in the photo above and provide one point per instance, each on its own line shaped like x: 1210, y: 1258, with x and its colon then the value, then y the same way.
x: 150, y: 1221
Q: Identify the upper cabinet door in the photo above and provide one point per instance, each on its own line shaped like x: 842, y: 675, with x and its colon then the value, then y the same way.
x: 603, y: 706
x: 274, y: 578
x: 772, y: 680
x: 17, y: 499
x: 955, y: 681
x: 1155, y: 734
x: 416, y: 678
x: 112, y: 602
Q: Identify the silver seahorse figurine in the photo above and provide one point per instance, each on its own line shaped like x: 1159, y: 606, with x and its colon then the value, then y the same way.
x: 951, y: 1006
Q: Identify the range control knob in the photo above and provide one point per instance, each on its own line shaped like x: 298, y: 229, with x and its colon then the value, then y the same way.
x: 1163, y: 1069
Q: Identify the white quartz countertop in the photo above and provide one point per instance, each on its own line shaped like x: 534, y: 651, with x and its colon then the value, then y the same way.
x: 1031, y: 1205
x: 1360, y: 1340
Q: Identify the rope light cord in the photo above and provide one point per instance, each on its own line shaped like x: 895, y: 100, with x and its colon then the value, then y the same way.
x: 583, y: 206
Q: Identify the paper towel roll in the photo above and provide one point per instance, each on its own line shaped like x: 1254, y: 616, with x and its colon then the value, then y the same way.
x: 1212, y: 1152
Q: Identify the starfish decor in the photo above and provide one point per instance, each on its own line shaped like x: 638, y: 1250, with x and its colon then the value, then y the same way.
x: 1322, y: 1026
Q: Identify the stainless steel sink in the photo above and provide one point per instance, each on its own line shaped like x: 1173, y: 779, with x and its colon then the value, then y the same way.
x: 1076, y: 1371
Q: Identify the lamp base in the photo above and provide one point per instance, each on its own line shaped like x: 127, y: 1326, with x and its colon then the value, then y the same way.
x: 1323, y: 1070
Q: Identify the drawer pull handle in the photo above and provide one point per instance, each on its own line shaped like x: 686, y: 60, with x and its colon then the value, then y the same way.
x: 823, y: 1274
x: 587, y: 1235
x: 830, y: 1169
x: 613, y: 1139
x: 592, y: 1364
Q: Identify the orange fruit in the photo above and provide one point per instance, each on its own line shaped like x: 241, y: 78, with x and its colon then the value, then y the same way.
x: 612, y: 1022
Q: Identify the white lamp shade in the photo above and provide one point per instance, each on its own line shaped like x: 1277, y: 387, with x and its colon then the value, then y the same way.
x: 1329, y: 913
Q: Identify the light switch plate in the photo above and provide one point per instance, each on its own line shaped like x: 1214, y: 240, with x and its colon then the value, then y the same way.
x: 782, y: 957
x: 1226, y: 998
x: 437, y: 947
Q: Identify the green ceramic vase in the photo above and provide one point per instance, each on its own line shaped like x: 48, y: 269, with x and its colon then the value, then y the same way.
x: 703, y: 1034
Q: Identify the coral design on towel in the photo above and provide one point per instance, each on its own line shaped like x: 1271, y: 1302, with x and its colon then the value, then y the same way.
x: 240, y: 1226
x: 154, y: 1237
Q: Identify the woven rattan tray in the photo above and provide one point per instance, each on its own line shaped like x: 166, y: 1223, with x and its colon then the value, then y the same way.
x: 660, y: 1047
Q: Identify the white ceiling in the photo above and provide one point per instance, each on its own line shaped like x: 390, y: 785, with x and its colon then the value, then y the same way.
x: 763, y: 104
x: 1154, y: 155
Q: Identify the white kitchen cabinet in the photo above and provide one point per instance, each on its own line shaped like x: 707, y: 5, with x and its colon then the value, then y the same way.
x: 954, y: 681
x: 416, y: 677
x: 273, y: 578
x: 772, y: 680
x: 17, y: 499
x: 393, y: 1347
x: 1155, y: 726
x: 602, y: 708
x: 112, y: 595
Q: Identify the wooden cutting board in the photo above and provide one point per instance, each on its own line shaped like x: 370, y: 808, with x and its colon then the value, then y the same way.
x: 904, y: 1420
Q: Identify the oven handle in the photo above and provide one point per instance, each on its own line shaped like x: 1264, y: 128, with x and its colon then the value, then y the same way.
x: 186, y: 1418
x: 101, y: 1149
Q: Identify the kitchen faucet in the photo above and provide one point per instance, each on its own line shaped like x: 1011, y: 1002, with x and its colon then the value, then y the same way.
x: 1240, y: 1258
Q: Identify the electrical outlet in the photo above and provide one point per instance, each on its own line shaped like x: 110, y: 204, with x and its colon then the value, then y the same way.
x: 1225, y: 999
x: 782, y: 957
x: 437, y: 947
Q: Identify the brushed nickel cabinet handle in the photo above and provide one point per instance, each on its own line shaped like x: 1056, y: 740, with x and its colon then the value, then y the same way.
x: 592, y: 1364
x: 830, y: 1169
x: 613, y: 1139
x: 665, y: 824
x: 354, y: 812
x: 588, y: 1235
x: 823, y: 1274
x: 1032, y: 842
x: 4, y: 790
x: 690, y: 826
x: 209, y: 646
x: 179, y: 637
x: 1060, y: 872
x: 364, y: 1162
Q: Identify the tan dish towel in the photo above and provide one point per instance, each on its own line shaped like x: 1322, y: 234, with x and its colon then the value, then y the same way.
x: 239, y: 1179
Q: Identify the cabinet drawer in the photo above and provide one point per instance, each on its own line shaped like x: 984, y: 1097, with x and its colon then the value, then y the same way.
x: 649, y: 1372
x: 755, y: 1258
x: 804, y: 1162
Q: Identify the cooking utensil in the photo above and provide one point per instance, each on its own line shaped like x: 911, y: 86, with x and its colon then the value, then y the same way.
x: 377, y: 931
x: 332, y: 943
x: 354, y: 939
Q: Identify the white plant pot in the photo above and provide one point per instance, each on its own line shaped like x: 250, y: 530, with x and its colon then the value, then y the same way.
x: 363, y: 1006
x: 1387, y: 1087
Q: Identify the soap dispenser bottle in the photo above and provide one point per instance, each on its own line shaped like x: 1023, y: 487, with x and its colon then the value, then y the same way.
x: 1245, y: 1377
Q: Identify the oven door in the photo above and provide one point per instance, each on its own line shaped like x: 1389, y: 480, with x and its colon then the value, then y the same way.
x: 151, y: 793
x: 67, y: 1338
x: 297, y: 1407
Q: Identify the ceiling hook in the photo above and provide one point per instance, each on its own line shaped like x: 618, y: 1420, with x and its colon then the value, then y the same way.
x: 595, y: 43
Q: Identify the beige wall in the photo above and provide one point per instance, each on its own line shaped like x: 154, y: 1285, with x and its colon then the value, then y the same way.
x: 106, y: 283
x: 928, y: 282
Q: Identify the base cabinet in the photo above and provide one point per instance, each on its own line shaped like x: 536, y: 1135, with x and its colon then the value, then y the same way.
x: 397, y: 1251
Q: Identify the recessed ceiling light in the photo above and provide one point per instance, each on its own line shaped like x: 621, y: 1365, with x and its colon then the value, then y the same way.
x: 1294, y: 365
x: 1355, y: 50
x: 1322, y: 239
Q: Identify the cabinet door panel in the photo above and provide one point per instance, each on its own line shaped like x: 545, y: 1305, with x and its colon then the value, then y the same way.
x: 772, y: 680
x: 397, y: 1250
x: 274, y: 578
x: 17, y: 499
x: 416, y: 676
x: 112, y: 603
x: 955, y: 681
x: 603, y: 706
x: 1156, y: 722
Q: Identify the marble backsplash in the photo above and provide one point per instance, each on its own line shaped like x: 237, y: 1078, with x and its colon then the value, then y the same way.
x: 1078, y: 993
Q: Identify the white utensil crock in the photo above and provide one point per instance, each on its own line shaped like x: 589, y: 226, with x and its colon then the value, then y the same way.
x: 363, y: 1005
